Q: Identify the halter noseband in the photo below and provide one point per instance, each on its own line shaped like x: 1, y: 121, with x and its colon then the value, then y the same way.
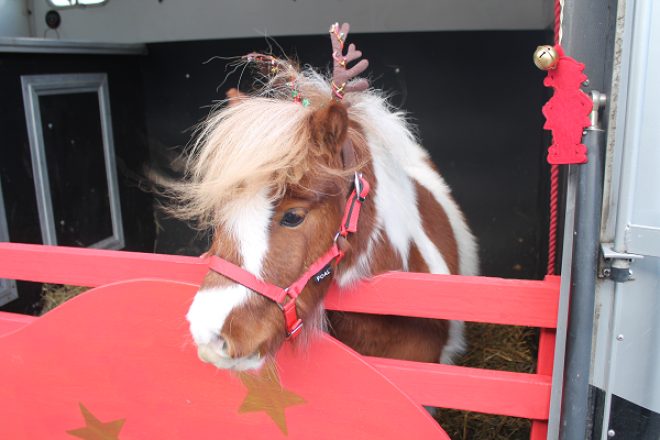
x: 318, y: 271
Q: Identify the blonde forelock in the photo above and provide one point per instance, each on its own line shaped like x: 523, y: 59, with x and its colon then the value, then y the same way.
x: 265, y: 141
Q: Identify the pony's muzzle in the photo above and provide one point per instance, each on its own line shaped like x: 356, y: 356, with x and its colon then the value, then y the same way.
x: 215, y: 352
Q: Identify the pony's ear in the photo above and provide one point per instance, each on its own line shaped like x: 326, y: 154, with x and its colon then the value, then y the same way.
x: 330, y: 127
x: 234, y: 97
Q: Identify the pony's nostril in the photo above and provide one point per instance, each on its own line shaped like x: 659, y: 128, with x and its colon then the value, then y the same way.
x: 219, y: 345
x: 218, y: 352
x: 213, y: 351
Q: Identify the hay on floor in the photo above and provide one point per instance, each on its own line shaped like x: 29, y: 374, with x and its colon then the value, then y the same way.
x: 52, y: 295
x: 493, y: 347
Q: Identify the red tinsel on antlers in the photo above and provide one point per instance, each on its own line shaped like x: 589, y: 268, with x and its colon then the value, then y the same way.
x: 340, y: 74
x: 270, y: 66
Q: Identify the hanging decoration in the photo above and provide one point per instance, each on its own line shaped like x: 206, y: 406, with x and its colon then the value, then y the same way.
x: 565, y: 76
x: 567, y: 112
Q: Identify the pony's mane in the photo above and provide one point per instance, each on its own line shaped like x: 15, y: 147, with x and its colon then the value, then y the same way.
x: 263, y: 142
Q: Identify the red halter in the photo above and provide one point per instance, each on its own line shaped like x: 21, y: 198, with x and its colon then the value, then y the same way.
x: 318, y: 271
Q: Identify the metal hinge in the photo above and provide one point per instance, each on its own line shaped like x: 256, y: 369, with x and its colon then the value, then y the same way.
x: 617, y: 266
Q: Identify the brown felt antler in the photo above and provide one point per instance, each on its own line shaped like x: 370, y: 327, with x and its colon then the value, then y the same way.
x: 340, y: 74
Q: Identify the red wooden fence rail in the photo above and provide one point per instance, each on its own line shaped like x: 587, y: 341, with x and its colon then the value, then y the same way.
x: 479, y: 299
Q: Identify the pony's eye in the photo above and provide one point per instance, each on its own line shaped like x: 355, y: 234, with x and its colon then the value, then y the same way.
x: 293, y: 217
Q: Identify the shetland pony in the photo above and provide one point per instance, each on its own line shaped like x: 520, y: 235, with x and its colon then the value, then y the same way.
x: 272, y: 179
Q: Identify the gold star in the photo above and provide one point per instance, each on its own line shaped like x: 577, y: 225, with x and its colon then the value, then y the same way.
x: 95, y: 430
x: 266, y: 394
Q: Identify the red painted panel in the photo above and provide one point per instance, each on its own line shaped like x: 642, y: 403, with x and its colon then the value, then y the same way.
x: 479, y: 299
x: 546, y: 354
x: 539, y: 430
x: 486, y: 391
x: 117, y: 360
x: 10, y: 322
x: 482, y: 299
x: 544, y: 366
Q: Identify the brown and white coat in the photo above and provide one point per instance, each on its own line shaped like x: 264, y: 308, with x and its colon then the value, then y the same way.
x: 269, y: 178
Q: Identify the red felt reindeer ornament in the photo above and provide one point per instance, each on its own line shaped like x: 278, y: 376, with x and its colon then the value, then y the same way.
x: 567, y: 112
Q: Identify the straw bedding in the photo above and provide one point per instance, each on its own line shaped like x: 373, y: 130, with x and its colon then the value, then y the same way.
x: 493, y: 347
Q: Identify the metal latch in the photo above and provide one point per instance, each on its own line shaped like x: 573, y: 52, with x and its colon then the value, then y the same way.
x: 599, y: 99
x: 617, y: 266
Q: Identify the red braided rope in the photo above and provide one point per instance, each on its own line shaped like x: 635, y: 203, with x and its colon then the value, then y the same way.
x: 557, y: 20
x: 554, y: 202
x: 554, y: 181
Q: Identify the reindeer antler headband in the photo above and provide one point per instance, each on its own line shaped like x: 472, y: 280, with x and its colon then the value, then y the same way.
x: 340, y: 74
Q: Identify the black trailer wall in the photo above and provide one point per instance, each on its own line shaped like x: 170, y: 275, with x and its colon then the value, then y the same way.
x: 128, y: 118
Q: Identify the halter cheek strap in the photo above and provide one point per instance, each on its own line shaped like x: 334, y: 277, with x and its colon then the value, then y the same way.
x: 317, y: 271
x: 273, y: 292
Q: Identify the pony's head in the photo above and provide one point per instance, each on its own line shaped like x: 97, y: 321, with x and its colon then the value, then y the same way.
x: 275, y: 228
x: 270, y: 173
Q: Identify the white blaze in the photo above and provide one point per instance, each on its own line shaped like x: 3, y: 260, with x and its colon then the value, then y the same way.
x: 248, y: 227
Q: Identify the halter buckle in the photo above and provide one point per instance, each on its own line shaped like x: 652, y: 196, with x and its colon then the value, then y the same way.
x: 293, y: 333
x: 359, y: 187
x: 291, y: 321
